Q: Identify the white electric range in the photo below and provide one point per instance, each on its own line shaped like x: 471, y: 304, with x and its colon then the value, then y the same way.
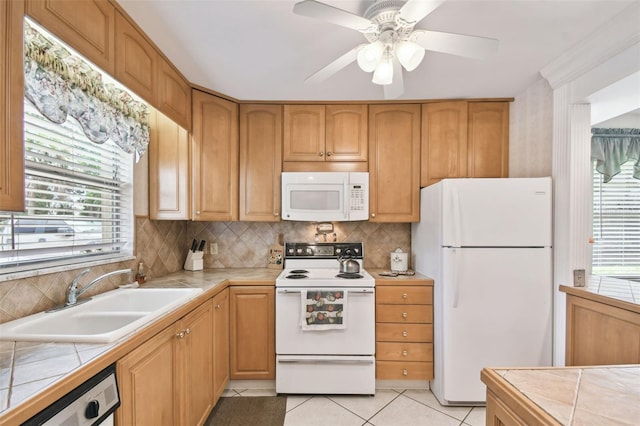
x: 325, y: 322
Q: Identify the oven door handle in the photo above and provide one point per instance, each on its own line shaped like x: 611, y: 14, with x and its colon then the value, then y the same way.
x: 287, y: 291
x: 326, y: 360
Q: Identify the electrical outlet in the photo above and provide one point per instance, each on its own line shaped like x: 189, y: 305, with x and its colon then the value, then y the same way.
x: 578, y: 278
x: 214, y: 248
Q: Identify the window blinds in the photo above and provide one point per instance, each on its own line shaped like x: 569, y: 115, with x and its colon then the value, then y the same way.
x: 616, y: 224
x: 77, y: 195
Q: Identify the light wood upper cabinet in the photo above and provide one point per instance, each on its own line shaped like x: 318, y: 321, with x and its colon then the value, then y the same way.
x: 86, y: 25
x: 136, y: 60
x: 394, y: 163
x: 173, y: 94
x: 346, y: 133
x: 169, y: 378
x: 319, y: 133
x: 444, y: 141
x: 215, y: 158
x: 11, y: 107
x: 304, y: 133
x: 169, y: 185
x: 252, y: 324
x: 260, y: 162
x: 488, y: 139
x: 220, y: 343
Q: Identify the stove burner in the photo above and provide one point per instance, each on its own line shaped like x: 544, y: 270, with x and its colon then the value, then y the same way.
x: 296, y: 276
x: 299, y: 271
x: 349, y: 275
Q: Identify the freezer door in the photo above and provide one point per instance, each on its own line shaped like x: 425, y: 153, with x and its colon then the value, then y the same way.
x: 496, y: 212
x: 497, y: 312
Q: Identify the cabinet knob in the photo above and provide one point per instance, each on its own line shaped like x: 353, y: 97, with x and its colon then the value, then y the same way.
x: 405, y: 372
x: 198, y: 212
x: 373, y: 215
x: 321, y: 153
x: 329, y: 154
x: 187, y: 331
x: 218, y: 306
x: 276, y: 214
x: 405, y: 353
x: 405, y: 295
x: 405, y: 334
x: 404, y: 315
x: 180, y: 335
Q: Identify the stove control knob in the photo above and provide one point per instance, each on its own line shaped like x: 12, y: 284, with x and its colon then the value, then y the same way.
x: 338, y: 250
x: 356, y: 251
x: 299, y: 251
x: 291, y: 250
x: 309, y: 251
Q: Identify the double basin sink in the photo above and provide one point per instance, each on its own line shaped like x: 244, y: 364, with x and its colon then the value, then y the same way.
x: 103, y: 319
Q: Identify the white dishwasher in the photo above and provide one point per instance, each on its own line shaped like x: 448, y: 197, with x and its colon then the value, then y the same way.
x: 91, y: 403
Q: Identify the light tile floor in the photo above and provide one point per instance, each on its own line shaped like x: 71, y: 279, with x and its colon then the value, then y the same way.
x: 408, y: 407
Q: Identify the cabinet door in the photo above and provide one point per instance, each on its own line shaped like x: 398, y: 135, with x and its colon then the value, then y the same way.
x: 173, y: 94
x: 215, y: 158
x: 196, y: 364
x: 488, y: 139
x: 220, y: 343
x: 346, y: 133
x: 304, y: 133
x: 260, y: 162
x: 444, y: 141
x: 252, y: 324
x: 136, y: 60
x: 147, y: 382
x: 168, y: 169
x: 11, y: 107
x: 394, y: 163
x: 86, y: 25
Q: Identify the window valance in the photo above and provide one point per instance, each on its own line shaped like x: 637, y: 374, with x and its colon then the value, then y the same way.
x: 60, y: 84
x: 610, y: 148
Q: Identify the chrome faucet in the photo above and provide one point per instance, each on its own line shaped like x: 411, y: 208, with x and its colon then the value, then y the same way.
x: 73, y: 293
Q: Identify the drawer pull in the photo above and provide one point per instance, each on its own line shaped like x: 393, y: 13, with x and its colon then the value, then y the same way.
x: 405, y: 372
x: 405, y: 296
x: 405, y: 334
x: 405, y: 315
x: 405, y: 353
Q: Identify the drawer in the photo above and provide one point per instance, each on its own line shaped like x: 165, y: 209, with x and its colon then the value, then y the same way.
x: 405, y: 295
x: 390, y: 332
x: 404, y: 313
x: 393, y: 351
x: 404, y: 370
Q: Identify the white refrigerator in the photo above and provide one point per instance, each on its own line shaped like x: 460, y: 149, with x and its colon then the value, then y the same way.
x: 487, y: 245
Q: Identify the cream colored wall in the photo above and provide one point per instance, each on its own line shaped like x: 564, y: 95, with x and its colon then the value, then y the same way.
x: 531, y: 132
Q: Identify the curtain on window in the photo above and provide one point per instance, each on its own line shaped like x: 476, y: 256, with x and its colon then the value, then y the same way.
x: 610, y: 148
x: 60, y: 84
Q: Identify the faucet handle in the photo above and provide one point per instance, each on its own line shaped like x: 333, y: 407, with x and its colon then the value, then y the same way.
x: 76, y: 279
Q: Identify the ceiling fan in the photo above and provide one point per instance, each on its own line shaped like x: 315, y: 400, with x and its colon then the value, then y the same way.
x: 393, y: 43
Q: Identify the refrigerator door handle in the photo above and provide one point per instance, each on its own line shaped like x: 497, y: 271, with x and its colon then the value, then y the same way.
x: 456, y: 283
x: 457, y: 220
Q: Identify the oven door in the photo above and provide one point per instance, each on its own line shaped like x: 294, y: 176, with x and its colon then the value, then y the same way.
x: 357, y: 338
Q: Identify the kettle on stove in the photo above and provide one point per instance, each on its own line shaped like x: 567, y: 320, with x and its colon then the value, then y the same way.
x: 347, y: 264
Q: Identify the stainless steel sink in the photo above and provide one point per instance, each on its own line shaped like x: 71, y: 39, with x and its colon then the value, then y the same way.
x: 103, y: 319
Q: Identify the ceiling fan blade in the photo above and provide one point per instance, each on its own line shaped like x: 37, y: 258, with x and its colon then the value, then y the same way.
x: 315, y: 9
x: 396, y: 88
x: 456, y: 44
x: 417, y: 10
x: 335, y: 66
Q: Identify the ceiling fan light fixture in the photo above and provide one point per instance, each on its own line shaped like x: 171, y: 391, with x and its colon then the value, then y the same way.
x: 369, y: 56
x: 409, y: 54
x: 384, y: 72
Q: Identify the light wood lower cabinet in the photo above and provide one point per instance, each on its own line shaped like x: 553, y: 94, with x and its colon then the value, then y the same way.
x: 220, y: 343
x: 252, y: 324
x: 404, y: 330
x: 601, y: 334
x: 169, y: 379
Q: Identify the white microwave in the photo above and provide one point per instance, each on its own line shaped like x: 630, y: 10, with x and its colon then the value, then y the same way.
x: 325, y: 196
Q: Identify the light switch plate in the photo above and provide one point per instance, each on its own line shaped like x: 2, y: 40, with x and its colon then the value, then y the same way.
x: 578, y: 278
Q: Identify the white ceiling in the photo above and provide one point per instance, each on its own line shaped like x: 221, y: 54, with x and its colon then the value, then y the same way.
x: 261, y: 50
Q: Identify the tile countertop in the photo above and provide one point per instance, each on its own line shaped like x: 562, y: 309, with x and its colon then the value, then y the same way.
x: 30, y: 370
x: 608, y: 395
x: 623, y: 294
x: 401, y: 279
